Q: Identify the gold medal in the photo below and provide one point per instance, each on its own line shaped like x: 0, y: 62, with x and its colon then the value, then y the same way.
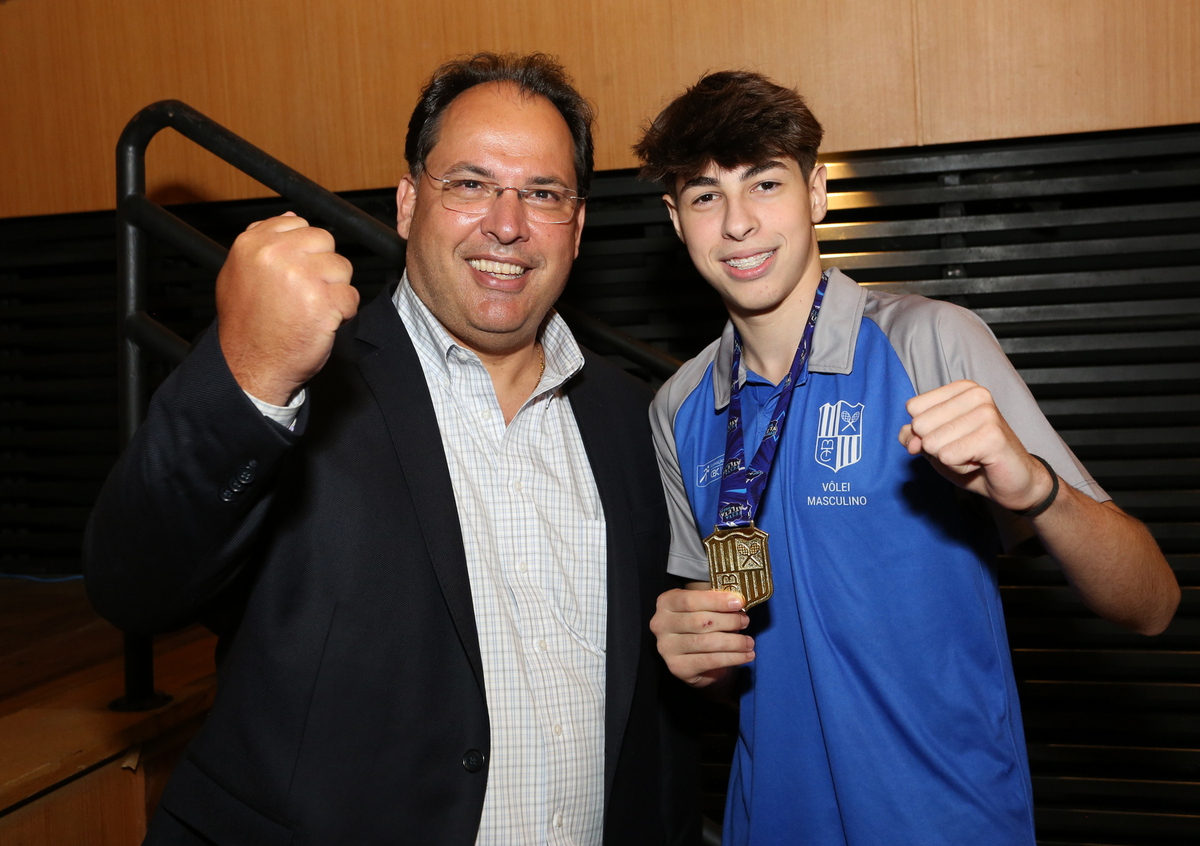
x: 738, y: 561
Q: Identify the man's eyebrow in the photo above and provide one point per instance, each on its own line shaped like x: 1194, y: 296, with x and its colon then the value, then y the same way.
x: 547, y: 180
x: 474, y: 170
x: 461, y: 168
x: 760, y: 169
x: 699, y: 182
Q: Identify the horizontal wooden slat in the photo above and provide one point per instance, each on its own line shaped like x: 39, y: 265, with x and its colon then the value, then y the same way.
x: 1108, y: 342
x: 940, y: 194
x: 1013, y: 252
x: 1101, y: 792
x: 1120, y: 411
x: 1113, y: 375
x: 1017, y: 154
x: 1179, y: 471
x: 1080, y: 312
x: 1115, y: 823
x: 1080, y: 284
x: 1172, y: 763
x: 1172, y: 440
x: 1108, y: 664
x: 858, y: 230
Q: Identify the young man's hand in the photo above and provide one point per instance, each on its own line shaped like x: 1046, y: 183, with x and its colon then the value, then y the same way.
x: 698, y: 633
x: 960, y: 429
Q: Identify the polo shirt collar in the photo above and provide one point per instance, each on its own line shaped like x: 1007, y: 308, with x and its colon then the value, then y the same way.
x: 834, y: 337
x: 563, y: 356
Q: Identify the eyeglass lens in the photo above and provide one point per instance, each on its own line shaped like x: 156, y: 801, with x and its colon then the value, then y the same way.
x: 546, y: 204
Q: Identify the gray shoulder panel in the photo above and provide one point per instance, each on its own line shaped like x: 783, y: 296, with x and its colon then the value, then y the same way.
x: 939, y: 343
x: 687, y: 558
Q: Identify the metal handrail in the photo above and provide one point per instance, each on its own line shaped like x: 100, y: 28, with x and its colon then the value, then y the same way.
x: 138, y: 216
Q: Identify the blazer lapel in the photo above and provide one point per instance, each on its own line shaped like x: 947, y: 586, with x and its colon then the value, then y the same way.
x: 394, y: 375
x: 623, y: 638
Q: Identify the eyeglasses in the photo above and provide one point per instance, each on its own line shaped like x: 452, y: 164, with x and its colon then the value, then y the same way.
x: 543, y: 204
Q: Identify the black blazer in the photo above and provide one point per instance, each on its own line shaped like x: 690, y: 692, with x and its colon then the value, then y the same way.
x: 351, y: 704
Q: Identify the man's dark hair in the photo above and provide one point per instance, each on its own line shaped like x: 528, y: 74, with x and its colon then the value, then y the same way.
x: 534, y: 74
x: 730, y: 118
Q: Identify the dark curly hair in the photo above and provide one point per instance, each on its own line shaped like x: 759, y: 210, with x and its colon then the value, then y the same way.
x: 729, y: 118
x: 535, y: 73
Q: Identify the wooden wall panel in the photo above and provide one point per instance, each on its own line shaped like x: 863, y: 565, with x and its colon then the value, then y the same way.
x: 1041, y: 67
x: 327, y: 87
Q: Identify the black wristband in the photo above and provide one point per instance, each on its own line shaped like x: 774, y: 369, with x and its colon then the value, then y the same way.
x: 1045, y: 503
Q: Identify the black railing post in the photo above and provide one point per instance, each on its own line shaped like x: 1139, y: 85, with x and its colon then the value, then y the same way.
x: 131, y: 388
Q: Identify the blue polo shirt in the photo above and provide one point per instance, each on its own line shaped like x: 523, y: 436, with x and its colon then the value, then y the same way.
x: 881, y: 707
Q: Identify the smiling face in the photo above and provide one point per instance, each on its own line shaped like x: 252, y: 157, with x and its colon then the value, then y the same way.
x: 749, y: 231
x: 491, y: 278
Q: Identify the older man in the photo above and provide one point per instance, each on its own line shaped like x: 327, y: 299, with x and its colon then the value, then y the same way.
x: 430, y: 534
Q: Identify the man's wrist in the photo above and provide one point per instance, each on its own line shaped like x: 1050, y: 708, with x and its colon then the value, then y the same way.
x: 1030, y: 513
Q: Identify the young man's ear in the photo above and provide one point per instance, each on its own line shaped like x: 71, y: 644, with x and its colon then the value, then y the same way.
x: 818, y: 198
x: 406, y: 201
x: 674, y: 212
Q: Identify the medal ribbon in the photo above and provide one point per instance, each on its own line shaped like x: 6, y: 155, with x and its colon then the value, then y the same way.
x: 742, y: 486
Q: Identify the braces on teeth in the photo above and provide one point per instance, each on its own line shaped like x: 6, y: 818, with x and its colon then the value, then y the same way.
x: 750, y: 261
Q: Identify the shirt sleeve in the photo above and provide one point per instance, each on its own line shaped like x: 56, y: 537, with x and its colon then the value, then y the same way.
x: 970, y: 351
x: 687, y: 558
x: 284, y: 415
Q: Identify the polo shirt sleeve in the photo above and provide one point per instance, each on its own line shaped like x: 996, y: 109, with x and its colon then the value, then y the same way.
x: 967, y: 349
x: 687, y: 558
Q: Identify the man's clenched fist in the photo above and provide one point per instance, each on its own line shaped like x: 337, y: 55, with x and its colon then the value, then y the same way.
x: 281, y: 296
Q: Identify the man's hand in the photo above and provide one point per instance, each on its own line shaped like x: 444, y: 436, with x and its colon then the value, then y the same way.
x: 698, y: 633
x: 1110, y: 558
x: 281, y: 296
x: 960, y: 429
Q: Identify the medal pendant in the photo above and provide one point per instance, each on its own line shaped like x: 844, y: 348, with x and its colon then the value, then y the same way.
x: 738, y: 561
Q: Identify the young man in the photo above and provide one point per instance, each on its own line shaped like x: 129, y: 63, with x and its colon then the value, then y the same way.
x: 878, y: 705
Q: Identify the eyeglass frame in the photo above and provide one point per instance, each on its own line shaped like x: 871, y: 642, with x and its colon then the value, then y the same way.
x: 499, y: 191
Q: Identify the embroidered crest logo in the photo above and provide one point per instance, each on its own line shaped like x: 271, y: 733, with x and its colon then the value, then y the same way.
x: 839, y: 435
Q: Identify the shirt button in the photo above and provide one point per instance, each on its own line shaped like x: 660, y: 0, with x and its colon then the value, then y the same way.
x: 486, y: 414
x: 542, y: 645
x: 516, y: 486
x: 522, y: 567
x: 557, y: 730
x: 558, y: 820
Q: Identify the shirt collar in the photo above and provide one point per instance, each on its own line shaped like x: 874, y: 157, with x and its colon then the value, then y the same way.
x: 833, y: 342
x: 437, y: 348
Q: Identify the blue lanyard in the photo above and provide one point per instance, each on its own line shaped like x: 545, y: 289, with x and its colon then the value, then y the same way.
x: 742, y: 486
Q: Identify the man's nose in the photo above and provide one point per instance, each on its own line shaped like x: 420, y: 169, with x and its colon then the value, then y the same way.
x: 506, y: 221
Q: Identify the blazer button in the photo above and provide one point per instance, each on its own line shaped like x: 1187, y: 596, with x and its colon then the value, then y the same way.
x: 246, y: 474
x: 473, y: 760
x: 228, y: 495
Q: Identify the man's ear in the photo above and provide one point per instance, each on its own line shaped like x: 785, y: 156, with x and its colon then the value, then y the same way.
x: 406, y: 201
x: 816, y: 192
x: 580, y: 214
x: 674, y: 212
